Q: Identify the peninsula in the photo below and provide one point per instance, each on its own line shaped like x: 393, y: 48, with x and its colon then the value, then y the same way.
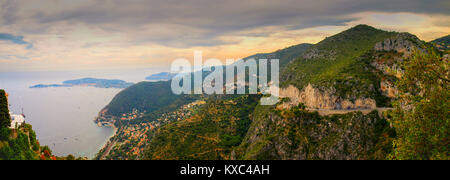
x: 90, y: 82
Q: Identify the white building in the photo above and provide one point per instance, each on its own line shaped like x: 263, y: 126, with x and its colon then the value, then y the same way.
x: 16, y: 120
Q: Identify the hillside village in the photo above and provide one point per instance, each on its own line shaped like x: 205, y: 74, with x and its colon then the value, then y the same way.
x: 130, y: 140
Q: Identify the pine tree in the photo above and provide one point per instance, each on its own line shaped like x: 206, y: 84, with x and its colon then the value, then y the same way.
x: 5, y: 119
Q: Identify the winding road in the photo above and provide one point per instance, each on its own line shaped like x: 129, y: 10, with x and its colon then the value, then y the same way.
x: 326, y: 112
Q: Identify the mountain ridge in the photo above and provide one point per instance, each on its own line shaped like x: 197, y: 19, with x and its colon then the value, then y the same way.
x: 442, y: 43
x: 355, y: 69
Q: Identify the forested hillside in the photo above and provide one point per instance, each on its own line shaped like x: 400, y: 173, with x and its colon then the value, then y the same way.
x: 285, y: 55
x: 153, y: 96
x: 211, y: 133
x: 148, y: 97
x: 356, y: 95
x: 443, y: 43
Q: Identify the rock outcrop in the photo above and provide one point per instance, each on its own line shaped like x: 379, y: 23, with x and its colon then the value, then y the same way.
x: 388, y: 88
x: 340, y: 137
x: 321, y: 99
x: 315, y: 53
x: 391, y: 53
x: 404, y: 43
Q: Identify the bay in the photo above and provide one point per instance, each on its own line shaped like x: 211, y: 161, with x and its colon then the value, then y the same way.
x: 63, y: 117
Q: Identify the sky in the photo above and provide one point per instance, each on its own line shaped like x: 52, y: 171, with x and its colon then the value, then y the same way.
x: 60, y: 35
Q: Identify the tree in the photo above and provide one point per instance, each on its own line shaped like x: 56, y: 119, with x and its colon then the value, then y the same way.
x: 4, y: 134
x: 421, y: 115
x: 70, y: 157
x: 46, y: 150
x: 5, y: 119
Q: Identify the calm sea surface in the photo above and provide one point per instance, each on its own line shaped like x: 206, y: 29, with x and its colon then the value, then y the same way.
x: 63, y: 117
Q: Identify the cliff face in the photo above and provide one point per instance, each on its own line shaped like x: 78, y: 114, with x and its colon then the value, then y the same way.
x: 357, y: 75
x: 297, y: 134
x: 388, y: 56
x: 385, y: 59
x: 322, y: 99
x: 403, y: 43
x: 356, y: 69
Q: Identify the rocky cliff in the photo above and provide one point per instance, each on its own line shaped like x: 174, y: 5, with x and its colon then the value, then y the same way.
x: 403, y: 43
x: 322, y: 99
x: 356, y: 69
x: 298, y: 134
x: 383, y: 61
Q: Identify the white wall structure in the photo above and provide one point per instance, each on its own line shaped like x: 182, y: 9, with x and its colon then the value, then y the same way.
x: 16, y: 120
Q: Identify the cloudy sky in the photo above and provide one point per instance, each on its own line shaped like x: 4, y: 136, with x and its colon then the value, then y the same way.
x: 48, y: 35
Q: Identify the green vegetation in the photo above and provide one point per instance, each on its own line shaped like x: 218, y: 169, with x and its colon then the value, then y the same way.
x: 284, y: 55
x: 147, y: 97
x: 443, y: 43
x: 5, y: 119
x: 340, y: 61
x: 20, y: 143
x: 300, y: 134
x: 155, y: 98
x: 131, y: 138
x: 421, y: 116
x: 15, y: 144
x: 211, y: 133
x: 17, y: 148
x: 236, y: 127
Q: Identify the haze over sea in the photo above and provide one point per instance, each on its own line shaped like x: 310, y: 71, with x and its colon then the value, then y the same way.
x: 63, y: 117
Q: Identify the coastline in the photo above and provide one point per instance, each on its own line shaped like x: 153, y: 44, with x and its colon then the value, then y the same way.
x: 106, y: 148
x: 109, y: 139
x: 62, y: 117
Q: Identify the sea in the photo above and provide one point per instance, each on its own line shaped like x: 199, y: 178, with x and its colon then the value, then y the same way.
x: 63, y: 117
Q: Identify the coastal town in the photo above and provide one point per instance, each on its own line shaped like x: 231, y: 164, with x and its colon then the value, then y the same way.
x: 136, y: 134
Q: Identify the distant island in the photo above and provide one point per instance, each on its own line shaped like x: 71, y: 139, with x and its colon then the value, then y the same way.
x: 164, y: 76
x: 91, y: 82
